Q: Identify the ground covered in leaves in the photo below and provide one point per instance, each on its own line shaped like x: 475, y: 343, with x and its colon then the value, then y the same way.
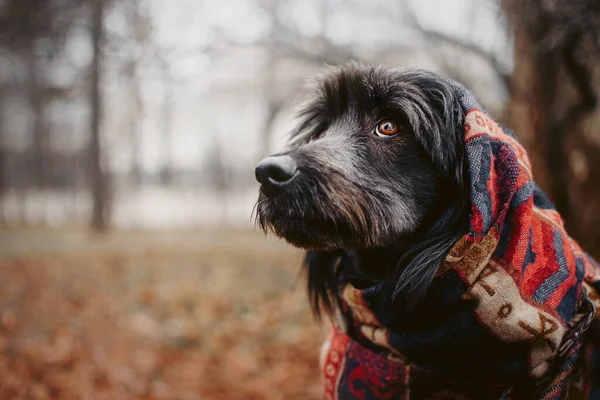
x: 198, y: 315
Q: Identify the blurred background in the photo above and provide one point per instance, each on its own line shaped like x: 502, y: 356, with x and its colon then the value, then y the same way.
x: 130, y: 267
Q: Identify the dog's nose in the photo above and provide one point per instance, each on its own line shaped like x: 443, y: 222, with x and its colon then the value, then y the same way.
x: 275, y: 172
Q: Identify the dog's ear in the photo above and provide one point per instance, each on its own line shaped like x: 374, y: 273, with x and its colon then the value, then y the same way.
x: 323, y: 279
x: 437, y: 117
x: 455, y: 134
x: 449, y: 151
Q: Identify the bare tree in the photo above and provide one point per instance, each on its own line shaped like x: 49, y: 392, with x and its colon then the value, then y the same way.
x: 39, y: 132
x: 134, y: 120
x: 554, y: 101
x: 32, y: 32
x: 219, y: 174
x: 3, y: 172
x: 139, y: 28
x: 98, y: 178
x: 168, y: 81
x: 272, y: 105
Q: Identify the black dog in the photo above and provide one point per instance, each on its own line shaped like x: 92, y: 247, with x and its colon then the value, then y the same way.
x: 430, y: 244
x: 374, y: 175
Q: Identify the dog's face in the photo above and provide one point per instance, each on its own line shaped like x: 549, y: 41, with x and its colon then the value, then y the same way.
x: 366, y: 163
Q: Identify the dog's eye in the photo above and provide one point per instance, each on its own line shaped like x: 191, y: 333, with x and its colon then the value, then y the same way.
x: 387, y: 127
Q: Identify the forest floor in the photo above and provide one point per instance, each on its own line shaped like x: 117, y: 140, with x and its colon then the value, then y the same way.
x: 210, y: 314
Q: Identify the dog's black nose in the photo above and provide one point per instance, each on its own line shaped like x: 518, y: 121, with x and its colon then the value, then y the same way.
x: 275, y: 172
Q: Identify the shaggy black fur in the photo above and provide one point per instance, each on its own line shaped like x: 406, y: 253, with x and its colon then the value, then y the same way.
x: 373, y: 209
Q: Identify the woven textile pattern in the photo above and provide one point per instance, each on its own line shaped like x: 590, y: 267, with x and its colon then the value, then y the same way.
x: 509, y: 291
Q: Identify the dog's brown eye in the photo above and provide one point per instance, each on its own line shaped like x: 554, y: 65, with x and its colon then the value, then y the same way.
x: 387, y: 127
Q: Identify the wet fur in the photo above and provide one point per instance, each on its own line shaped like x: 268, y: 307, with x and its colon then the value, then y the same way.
x: 372, y: 209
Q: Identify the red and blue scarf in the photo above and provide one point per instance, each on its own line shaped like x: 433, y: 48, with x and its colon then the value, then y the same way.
x: 513, y: 307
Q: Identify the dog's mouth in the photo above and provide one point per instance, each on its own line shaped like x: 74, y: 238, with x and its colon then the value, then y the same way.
x: 286, y: 218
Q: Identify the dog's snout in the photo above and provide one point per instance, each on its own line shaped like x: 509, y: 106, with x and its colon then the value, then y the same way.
x: 275, y: 172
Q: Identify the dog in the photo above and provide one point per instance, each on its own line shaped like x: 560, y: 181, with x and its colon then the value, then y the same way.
x: 427, y: 244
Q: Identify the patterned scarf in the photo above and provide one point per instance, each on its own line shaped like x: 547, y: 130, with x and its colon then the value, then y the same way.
x: 504, y: 317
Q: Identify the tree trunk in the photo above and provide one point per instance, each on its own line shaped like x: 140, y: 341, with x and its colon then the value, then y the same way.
x: 553, y: 107
x: 134, y: 124
x: 97, y: 178
x: 269, y: 85
x: 39, y: 144
x: 139, y: 26
x: 3, y: 172
x: 166, y: 171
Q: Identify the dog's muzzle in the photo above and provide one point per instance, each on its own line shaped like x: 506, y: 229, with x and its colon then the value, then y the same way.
x: 276, y: 172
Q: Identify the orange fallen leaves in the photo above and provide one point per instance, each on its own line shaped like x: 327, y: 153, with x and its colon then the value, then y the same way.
x: 72, y: 328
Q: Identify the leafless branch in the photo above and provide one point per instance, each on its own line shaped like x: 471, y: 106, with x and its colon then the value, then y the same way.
x: 412, y: 21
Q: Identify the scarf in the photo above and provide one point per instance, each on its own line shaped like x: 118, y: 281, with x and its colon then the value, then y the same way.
x: 504, y: 317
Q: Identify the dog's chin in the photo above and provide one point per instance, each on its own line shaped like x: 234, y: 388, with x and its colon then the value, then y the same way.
x: 323, y: 234
x: 305, y: 233
x: 298, y: 234
x: 299, y: 224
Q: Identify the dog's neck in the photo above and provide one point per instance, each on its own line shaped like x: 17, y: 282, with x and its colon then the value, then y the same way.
x: 368, y: 266
x: 445, y: 224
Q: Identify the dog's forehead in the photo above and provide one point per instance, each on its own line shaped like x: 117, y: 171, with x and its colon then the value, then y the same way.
x: 355, y: 86
x: 363, y: 94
